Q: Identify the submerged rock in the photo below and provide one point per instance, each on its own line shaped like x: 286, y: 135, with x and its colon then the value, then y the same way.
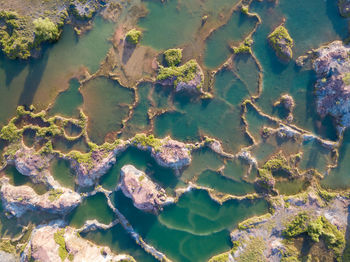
x: 344, y: 7
x: 332, y: 89
x: 50, y: 243
x: 16, y: 200
x: 282, y: 43
x: 146, y: 195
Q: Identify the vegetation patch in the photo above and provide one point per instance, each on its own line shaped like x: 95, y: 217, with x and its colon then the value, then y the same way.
x: 281, y: 41
x: 173, y: 57
x: 133, y: 36
x: 59, y: 239
x: 145, y: 141
x: 55, y: 194
x: 316, y: 229
x: 45, y: 30
x: 177, y: 74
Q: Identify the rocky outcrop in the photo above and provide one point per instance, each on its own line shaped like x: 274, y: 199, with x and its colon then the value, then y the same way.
x: 34, y: 165
x: 52, y: 243
x: 266, y: 232
x: 188, y: 77
x: 287, y: 103
x: 16, y: 200
x: 90, y: 167
x: 173, y: 154
x: 282, y: 43
x: 146, y: 195
x: 332, y: 89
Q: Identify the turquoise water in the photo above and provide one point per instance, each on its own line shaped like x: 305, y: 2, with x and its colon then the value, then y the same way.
x: 61, y: 171
x: 194, y: 229
x: 94, y: 207
x: 310, y: 24
x: 219, y: 43
x: 165, y: 177
x: 106, y: 103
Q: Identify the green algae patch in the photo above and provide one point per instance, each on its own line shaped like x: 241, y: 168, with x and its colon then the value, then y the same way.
x: 282, y: 43
x: 7, y: 246
x: 244, y: 48
x: 133, y: 36
x: 173, y: 57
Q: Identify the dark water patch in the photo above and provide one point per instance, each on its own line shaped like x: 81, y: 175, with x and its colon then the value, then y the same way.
x: 38, y: 81
x: 29, y: 137
x: 72, y: 129
x: 142, y: 160
x: 120, y: 242
x: 339, y: 177
x: 17, y: 179
x: 61, y: 171
x: 28, y: 120
x: 94, y: 207
x: 139, y: 122
x: 194, y: 229
x: 201, y: 160
x: 315, y: 156
x: 223, y: 184
x: 220, y: 41
x: 106, y: 103
x: 68, y: 102
x: 65, y: 146
x: 229, y: 87
x: 214, y: 118
x: 291, y: 187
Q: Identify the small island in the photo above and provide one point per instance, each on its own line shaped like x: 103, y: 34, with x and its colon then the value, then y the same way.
x: 282, y: 43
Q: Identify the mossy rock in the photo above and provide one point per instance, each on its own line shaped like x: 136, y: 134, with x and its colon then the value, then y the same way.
x: 282, y: 43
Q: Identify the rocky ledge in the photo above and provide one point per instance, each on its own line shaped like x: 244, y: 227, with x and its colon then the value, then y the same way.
x: 332, y: 89
x: 52, y: 243
x: 16, y: 200
x: 146, y: 195
x: 32, y: 164
x: 282, y: 43
x: 167, y: 152
x: 89, y: 167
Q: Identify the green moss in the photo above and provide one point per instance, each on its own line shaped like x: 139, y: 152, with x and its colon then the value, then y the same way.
x: 45, y: 30
x: 245, y: 9
x: 297, y: 226
x: 133, y: 36
x: 184, y: 73
x: 55, y: 194
x: 10, y: 132
x: 346, y: 79
x: 173, y: 56
x: 219, y: 258
x: 144, y: 140
x: 279, y: 37
x: 316, y: 229
x: 253, y: 251
x: 7, y: 246
x: 59, y: 239
x: 81, y: 158
x: 242, y: 49
x: 13, y: 40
